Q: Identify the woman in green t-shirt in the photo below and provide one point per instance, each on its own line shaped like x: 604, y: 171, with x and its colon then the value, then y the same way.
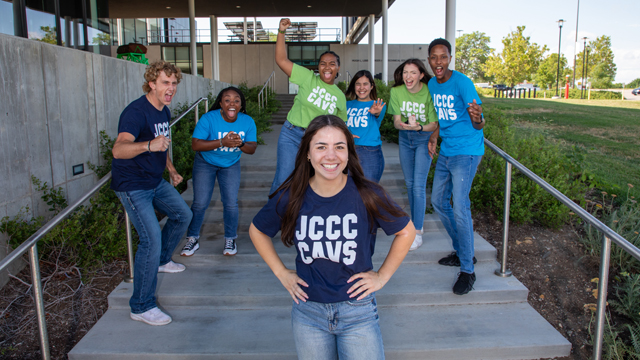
x: 317, y: 95
x: 414, y: 115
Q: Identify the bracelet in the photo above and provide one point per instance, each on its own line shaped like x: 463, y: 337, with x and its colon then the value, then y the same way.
x: 241, y: 145
x: 420, y: 128
x: 281, y: 32
x: 149, y: 146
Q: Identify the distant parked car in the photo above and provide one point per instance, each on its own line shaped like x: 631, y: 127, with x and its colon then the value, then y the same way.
x: 483, y: 85
x: 501, y: 87
x: 636, y: 91
x: 527, y: 87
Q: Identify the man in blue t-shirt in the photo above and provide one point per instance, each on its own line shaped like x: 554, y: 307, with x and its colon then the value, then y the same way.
x: 139, y: 159
x: 460, y: 127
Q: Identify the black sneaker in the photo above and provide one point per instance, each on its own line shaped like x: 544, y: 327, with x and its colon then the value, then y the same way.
x: 190, y: 247
x: 453, y: 260
x: 230, y: 247
x: 464, y: 284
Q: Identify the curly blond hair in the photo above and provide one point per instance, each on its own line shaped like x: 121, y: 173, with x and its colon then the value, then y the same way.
x: 154, y: 69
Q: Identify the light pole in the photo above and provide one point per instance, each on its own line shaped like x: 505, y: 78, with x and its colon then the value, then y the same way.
x: 459, y: 32
x: 560, y: 22
x: 574, y: 46
x: 584, y: 54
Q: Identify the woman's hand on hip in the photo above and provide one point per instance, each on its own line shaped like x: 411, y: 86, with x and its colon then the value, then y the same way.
x: 369, y: 283
x: 292, y: 282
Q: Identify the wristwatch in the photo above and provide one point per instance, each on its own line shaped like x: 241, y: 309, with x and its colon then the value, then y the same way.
x: 241, y: 145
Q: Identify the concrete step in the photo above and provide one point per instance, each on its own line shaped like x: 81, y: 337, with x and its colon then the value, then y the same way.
x: 255, y: 286
x: 483, y: 331
x: 436, y: 245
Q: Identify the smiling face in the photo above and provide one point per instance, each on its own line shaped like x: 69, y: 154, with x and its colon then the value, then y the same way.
x: 411, y: 75
x: 230, y: 105
x: 328, y: 154
x: 162, y: 90
x: 328, y: 68
x: 439, y: 60
x: 363, y: 89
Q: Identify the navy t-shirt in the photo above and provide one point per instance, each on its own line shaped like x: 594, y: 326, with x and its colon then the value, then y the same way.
x: 332, y: 238
x: 144, y: 122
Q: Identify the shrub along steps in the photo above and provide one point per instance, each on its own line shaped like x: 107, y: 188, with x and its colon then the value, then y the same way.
x: 233, y: 307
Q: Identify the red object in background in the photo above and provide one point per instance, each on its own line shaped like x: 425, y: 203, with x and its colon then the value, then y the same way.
x: 566, y: 89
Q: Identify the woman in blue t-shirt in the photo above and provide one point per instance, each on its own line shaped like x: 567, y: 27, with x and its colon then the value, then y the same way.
x: 414, y: 115
x: 220, y: 137
x: 331, y: 212
x: 365, y: 113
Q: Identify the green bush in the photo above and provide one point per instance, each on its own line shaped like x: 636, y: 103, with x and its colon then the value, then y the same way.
x: 529, y: 202
x: 595, y: 94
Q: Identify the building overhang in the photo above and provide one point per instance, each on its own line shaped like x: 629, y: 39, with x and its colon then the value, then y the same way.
x: 242, y: 8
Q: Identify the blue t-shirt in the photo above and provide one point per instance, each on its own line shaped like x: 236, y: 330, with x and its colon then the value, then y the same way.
x: 450, y: 100
x: 332, y: 238
x: 362, y: 123
x: 212, y: 126
x: 144, y: 122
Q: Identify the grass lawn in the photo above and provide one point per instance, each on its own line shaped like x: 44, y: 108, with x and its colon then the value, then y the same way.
x: 605, y: 131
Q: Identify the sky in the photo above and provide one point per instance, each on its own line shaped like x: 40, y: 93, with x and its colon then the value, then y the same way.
x: 420, y: 21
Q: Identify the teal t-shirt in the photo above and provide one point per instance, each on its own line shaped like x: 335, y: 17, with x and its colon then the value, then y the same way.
x: 405, y: 104
x: 315, y: 97
x: 451, y: 100
x: 212, y: 126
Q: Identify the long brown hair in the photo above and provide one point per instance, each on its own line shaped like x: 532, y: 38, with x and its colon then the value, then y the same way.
x: 397, y: 75
x: 351, y: 90
x: 297, y: 183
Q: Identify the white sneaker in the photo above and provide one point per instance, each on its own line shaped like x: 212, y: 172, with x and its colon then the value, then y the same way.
x: 171, y: 267
x: 190, y: 247
x: 417, y: 242
x: 154, y: 316
x: 230, y: 247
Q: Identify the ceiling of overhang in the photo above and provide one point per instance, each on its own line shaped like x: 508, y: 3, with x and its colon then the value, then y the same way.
x: 241, y: 8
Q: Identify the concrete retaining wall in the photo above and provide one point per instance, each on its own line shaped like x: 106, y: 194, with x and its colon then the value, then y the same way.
x: 55, y: 101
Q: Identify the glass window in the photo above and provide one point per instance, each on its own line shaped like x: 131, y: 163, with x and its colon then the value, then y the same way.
x: 6, y: 18
x: 308, y: 53
x: 320, y: 49
x: 141, y: 31
x: 180, y: 57
x: 295, y: 53
x: 41, y: 21
x: 128, y: 31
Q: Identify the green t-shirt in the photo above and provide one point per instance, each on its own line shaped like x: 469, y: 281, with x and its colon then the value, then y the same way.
x: 419, y: 104
x: 315, y: 97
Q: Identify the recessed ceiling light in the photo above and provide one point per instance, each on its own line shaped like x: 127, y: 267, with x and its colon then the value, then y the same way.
x: 237, y: 6
x: 308, y: 6
x: 168, y: 7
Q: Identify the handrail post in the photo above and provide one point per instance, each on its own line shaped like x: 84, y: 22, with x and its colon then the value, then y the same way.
x: 196, y: 114
x: 37, y: 298
x: 605, y: 257
x: 129, y: 279
x: 171, y: 152
x: 503, y: 272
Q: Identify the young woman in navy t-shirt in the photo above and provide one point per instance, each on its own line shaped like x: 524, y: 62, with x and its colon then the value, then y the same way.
x: 331, y: 213
x: 365, y: 113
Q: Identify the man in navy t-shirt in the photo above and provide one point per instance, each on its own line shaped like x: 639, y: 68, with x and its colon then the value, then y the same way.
x: 139, y: 159
x: 460, y: 123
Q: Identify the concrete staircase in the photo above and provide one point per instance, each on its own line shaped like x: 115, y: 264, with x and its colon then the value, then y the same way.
x: 280, y: 116
x: 235, y: 308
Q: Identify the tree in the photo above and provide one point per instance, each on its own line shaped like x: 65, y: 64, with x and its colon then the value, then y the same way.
x: 547, y: 72
x: 472, y: 51
x: 600, y: 57
x: 518, y: 61
x: 634, y: 83
x: 101, y: 39
x: 49, y: 35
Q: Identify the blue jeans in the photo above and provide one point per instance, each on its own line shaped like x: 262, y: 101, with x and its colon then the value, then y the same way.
x: 156, y: 246
x: 204, y: 179
x: 345, y: 330
x: 372, y: 161
x: 288, y: 145
x: 415, y: 162
x: 454, y: 176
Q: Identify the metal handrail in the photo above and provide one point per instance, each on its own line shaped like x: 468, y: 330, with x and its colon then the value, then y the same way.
x: 31, y: 244
x: 348, y: 77
x: 269, y: 84
x: 608, y: 236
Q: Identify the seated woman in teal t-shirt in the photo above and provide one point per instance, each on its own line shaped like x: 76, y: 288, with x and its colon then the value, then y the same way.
x: 317, y: 95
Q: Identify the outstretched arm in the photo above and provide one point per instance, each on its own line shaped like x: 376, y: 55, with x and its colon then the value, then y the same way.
x: 281, y: 49
x: 372, y: 281
x: 288, y: 278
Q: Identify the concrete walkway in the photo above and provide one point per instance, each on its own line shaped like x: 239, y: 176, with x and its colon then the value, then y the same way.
x: 235, y: 308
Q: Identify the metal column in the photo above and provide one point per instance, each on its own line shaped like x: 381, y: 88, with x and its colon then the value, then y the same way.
x: 385, y: 42
x: 450, y: 30
x: 372, y: 45
x: 192, y: 37
x: 215, y: 54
